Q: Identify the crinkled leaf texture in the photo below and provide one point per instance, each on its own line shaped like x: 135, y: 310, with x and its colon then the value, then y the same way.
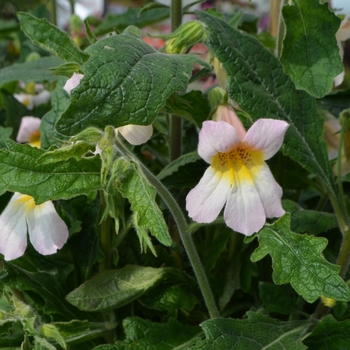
x: 21, y: 171
x: 256, y: 81
x: 256, y: 332
x: 329, y: 334
x: 126, y: 82
x: 143, y: 334
x: 115, y: 288
x: 310, y: 53
x: 297, y: 259
x: 51, y: 38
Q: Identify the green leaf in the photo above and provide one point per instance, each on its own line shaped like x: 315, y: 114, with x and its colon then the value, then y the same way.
x: 297, y: 259
x: 42, y: 344
x: 256, y: 81
x: 275, y: 299
x: 51, y: 38
x: 310, y: 53
x: 141, y: 194
x: 5, y: 134
x: 131, y: 17
x: 27, y: 72
x: 143, y: 334
x: 115, y: 288
x: 256, y: 332
x: 126, y: 82
x: 66, y: 69
x: 329, y: 334
x: 21, y: 171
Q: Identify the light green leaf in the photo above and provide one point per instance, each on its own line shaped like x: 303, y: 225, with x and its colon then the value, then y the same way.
x: 5, y: 134
x: 143, y: 334
x: 131, y: 17
x: 115, y: 288
x: 141, y: 194
x: 126, y: 82
x: 21, y: 171
x: 27, y: 72
x: 42, y: 344
x: 297, y: 259
x: 256, y: 81
x: 51, y: 38
x: 257, y: 332
x: 329, y: 334
x: 310, y: 53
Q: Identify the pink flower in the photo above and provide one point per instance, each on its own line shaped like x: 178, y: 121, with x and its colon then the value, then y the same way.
x: 134, y: 134
x: 29, y: 131
x: 47, y: 231
x: 238, y: 175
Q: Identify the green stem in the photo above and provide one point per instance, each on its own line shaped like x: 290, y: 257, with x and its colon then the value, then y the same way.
x: 175, y: 121
x: 54, y: 12
x: 280, y: 27
x: 105, y: 231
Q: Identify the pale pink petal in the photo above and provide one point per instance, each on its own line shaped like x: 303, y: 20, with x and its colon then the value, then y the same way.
x: 228, y: 115
x: 25, y: 99
x: 339, y: 79
x: 47, y: 231
x: 13, y: 228
x: 216, y: 137
x: 28, y: 127
x: 266, y: 135
x: 42, y: 97
x: 205, y: 201
x: 244, y: 211
x: 136, y: 134
x: 270, y: 192
x: 73, y: 82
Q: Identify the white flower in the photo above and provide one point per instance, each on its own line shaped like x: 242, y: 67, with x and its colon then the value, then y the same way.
x: 47, y: 231
x: 31, y: 101
x: 29, y: 131
x: 238, y: 175
x: 134, y: 134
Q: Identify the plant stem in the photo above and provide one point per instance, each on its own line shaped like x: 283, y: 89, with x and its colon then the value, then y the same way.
x: 54, y: 12
x: 175, y: 121
x: 105, y: 237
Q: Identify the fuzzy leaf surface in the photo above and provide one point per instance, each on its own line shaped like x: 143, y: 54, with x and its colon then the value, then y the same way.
x: 143, y: 334
x: 51, y: 38
x: 114, y: 288
x: 297, y: 259
x: 256, y: 81
x: 126, y: 82
x: 21, y: 171
x: 310, y: 53
x: 256, y: 332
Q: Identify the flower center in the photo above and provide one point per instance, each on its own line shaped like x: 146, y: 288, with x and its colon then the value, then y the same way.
x: 34, y: 139
x: 239, y: 164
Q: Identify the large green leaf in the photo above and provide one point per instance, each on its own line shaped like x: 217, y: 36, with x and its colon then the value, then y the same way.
x: 256, y: 332
x: 329, y: 334
x: 126, y: 82
x: 21, y: 171
x: 51, y: 38
x: 115, y: 288
x: 256, y: 81
x: 27, y: 72
x: 143, y: 334
x: 297, y: 259
x: 310, y: 53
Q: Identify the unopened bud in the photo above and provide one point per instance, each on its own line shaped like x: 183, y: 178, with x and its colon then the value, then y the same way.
x: 220, y: 73
x: 328, y: 301
x: 216, y: 96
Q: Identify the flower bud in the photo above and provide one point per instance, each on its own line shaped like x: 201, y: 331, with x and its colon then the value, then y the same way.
x: 220, y: 73
x: 216, y: 96
x: 328, y: 301
x: 186, y: 36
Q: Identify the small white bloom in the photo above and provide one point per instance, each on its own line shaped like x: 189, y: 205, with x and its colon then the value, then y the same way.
x: 73, y: 82
x: 29, y: 131
x: 47, y: 231
x: 31, y: 101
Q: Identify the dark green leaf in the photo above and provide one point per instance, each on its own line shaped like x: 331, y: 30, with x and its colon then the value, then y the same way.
x: 51, y: 38
x: 310, y: 51
x: 20, y: 171
x: 115, y: 288
x: 257, y: 332
x: 329, y: 334
x: 297, y: 259
x: 126, y: 82
x: 5, y: 134
x: 143, y: 334
x: 256, y: 81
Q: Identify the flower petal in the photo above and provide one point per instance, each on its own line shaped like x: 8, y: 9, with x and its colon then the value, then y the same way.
x: 266, y: 135
x: 270, y: 192
x: 13, y: 234
x: 216, y: 137
x: 73, y: 82
x: 47, y: 231
x: 28, y: 127
x: 205, y: 201
x: 244, y: 211
x: 228, y: 115
x: 136, y: 134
